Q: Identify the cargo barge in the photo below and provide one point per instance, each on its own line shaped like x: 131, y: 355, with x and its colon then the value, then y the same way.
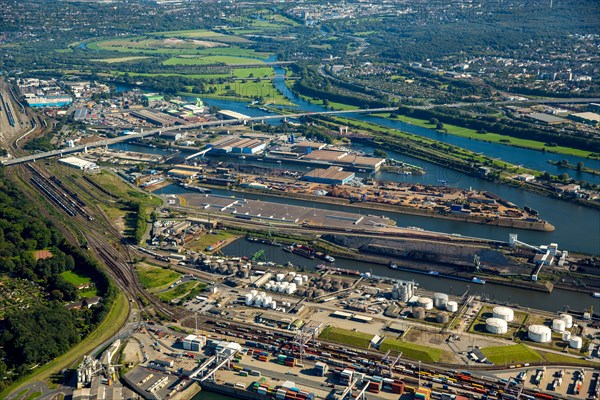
x: 322, y: 267
x: 474, y: 279
x: 301, y: 250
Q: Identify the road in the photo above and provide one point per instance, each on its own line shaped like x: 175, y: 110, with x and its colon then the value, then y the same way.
x: 201, y: 125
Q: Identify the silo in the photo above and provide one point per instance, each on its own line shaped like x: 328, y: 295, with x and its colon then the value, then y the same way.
x: 298, y: 281
x: 273, y: 305
x: 254, y: 292
x: 304, y: 278
x: 418, y: 312
x: 268, y: 286
x: 292, y: 274
x: 440, y: 300
x: 280, y: 277
x: 452, y: 306
x: 504, y: 313
x: 249, y: 298
x: 425, y: 302
x: 568, y: 320
x: 566, y: 336
x: 575, y: 342
x: 558, y: 325
x: 442, y: 318
x: 497, y: 326
x: 539, y: 333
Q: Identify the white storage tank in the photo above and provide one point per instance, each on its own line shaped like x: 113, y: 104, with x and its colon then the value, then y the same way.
x: 279, y: 277
x: 425, y: 302
x: 268, y: 286
x: 262, y: 294
x: 290, y: 289
x: 254, y: 292
x: 539, y: 333
x: 440, y: 300
x: 249, y: 298
x: 558, y: 325
x: 568, y: 320
x: 575, y: 342
x: 452, y: 306
x: 273, y: 305
x: 292, y: 274
x: 497, y: 326
x: 304, y: 278
x: 566, y: 336
x: 298, y: 281
x: 504, y: 313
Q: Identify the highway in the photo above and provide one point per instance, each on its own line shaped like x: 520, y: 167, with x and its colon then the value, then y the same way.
x: 201, y: 125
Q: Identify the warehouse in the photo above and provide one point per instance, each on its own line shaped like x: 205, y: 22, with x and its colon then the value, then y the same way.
x: 182, y: 173
x: 235, y: 144
x: 343, y: 158
x: 79, y: 163
x: 306, y: 147
x: 586, y: 118
x: 157, y: 118
x: 329, y: 176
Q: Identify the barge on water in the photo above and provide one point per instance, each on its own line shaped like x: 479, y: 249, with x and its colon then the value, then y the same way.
x: 301, y: 250
x: 322, y: 267
x: 474, y: 279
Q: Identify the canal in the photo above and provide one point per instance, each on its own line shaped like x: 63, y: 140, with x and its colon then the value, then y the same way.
x: 558, y: 300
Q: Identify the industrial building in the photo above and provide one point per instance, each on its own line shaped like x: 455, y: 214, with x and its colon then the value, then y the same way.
x: 79, y: 163
x: 237, y: 145
x: 345, y: 159
x: 193, y: 342
x: 586, y: 118
x: 306, y: 147
x: 157, y: 118
x: 182, y: 173
x: 329, y: 176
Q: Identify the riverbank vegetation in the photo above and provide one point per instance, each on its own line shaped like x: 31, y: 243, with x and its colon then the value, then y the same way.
x: 37, y: 332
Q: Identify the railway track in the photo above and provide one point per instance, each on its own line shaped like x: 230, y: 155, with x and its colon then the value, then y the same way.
x: 115, y: 255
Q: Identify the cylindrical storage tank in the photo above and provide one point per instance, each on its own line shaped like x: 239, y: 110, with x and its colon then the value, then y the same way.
x: 504, y: 313
x: 425, y: 302
x: 497, y: 326
x: 440, y: 300
x: 298, y: 281
x: 452, y: 306
x: 292, y: 274
x: 566, y: 336
x: 273, y: 305
x: 539, y: 333
x: 304, y: 278
x: 442, y: 318
x: 254, y: 292
x: 268, y: 286
x: 568, y: 320
x: 266, y: 302
x: 280, y: 277
x: 418, y: 312
x: 249, y: 298
x: 575, y: 342
x: 262, y: 294
x: 558, y: 325
x: 290, y: 289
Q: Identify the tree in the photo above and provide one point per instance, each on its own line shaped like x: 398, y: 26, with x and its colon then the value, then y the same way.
x: 579, y: 166
x: 434, y: 121
x: 439, y: 126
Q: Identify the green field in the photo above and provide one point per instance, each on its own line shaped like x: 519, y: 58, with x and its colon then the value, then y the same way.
x: 75, y: 278
x: 208, y: 60
x: 411, y: 350
x: 494, y: 137
x: 121, y: 59
x: 209, y: 239
x: 345, y: 336
x: 518, y: 353
x: 564, y: 359
x: 178, y: 291
x: 249, y: 90
x: 155, y: 277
